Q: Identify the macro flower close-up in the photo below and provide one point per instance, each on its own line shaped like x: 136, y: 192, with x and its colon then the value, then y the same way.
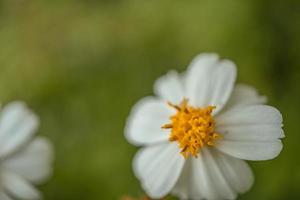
x: 149, y: 100
x: 198, y: 130
x: 25, y: 160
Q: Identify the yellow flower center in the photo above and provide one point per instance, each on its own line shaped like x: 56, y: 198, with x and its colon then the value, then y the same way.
x: 192, y: 128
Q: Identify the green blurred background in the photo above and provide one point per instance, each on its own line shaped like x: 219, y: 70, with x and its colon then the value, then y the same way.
x: 82, y: 64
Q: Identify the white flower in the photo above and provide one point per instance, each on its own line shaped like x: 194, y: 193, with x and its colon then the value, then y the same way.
x: 198, y: 130
x: 24, y: 160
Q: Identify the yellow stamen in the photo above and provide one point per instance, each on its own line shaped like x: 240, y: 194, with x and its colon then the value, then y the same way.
x: 192, y: 128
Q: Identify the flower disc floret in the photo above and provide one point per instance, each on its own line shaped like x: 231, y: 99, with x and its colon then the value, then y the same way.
x: 192, y: 128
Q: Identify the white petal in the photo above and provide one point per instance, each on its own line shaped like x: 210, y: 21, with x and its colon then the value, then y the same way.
x: 213, y: 175
x: 210, y: 81
x: 243, y: 95
x: 251, y: 150
x: 192, y: 182
x: 144, y: 125
x: 19, y: 188
x: 251, y: 132
x: 4, y: 196
x: 34, y: 163
x: 170, y: 87
x: 217, y: 186
x: 253, y: 114
x: 236, y: 172
x: 198, y: 77
x: 158, y: 168
x: 17, y: 125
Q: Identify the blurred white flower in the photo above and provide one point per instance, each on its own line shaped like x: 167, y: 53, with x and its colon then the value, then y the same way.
x: 198, y: 130
x: 24, y: 160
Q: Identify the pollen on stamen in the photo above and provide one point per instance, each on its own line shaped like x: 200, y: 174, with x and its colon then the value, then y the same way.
x: 192, y: 128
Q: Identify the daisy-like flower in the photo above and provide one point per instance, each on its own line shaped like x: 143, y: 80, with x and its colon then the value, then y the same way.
x: 198, y: 131
x: 24, y: 160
